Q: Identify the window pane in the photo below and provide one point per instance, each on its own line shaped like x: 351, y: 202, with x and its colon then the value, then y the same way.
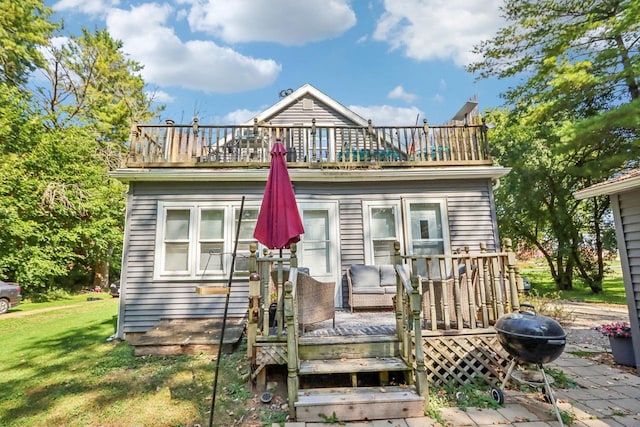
x: 176, y: 256
x: 177, y: 225
x: 426, y: 222
x: 383, y: 252
x: 211, y: 256
x: 316, y: 256
x: 382, y: 223
x: 212, y: 224
x: 315, y: 252
x: 248, y: 224
x: 315, y: 225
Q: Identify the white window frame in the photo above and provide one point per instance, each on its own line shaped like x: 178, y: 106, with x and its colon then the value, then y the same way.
x: 442, y: 202
x: 194, y: 207
x: 368, y: 238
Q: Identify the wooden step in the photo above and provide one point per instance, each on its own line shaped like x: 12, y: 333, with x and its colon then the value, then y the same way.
x: 348, y: 366
x: 359, y: 404
x: 353, y: 347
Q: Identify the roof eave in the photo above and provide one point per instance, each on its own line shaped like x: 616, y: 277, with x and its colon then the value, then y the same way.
x: 608, y: 188
x: 308, y: 175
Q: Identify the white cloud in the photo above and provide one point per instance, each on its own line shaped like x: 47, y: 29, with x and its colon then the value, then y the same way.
x: 90, y: 7
x: 195, y: 64
x: 160, y: 96
x: 438, y: 29
x: 443, y: 84
x: 237, y: 116
x: 287, y: 22
x: 399, y: 93
x: 437, y: 98
x: 383, y: 115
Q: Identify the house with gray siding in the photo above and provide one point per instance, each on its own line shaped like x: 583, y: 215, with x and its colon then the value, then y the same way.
x: 624, y: 193
x: 360, y: 187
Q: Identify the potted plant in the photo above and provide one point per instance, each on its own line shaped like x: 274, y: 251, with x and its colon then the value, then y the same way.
x: 619, y: 334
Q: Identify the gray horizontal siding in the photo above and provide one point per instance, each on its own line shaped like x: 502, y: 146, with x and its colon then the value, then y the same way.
x: 146, y: 301
x: 629, y: 211
x: 296, y: 114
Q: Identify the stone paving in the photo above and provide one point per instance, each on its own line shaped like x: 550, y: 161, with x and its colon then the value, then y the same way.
x: 605, y: 396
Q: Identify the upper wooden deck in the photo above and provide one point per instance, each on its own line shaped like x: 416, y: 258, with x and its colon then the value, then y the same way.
x: 225, y: 146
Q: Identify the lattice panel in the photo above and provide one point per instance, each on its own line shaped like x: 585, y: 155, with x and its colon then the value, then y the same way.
x: 269, y: 355
x: 459, y: 359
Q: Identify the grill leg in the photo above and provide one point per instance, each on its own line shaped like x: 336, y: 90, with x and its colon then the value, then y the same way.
x: 509, y: 372
x: 547, y: 388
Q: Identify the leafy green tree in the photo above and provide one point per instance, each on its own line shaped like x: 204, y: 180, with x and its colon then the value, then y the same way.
x: 94, y: 85
x: 573, y: 121
x: 24, y: 28
x: 535, y: 202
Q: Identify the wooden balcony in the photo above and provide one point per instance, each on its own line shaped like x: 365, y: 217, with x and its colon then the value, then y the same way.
x: 196, y: 145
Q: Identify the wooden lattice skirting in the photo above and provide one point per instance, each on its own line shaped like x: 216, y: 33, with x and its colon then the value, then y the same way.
x: 269, y: 355
x: 458, y: 359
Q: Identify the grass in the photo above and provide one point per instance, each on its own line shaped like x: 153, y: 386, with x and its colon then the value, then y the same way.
x: 60, y: 370
x: 612, y: 293
x: 60, y: 300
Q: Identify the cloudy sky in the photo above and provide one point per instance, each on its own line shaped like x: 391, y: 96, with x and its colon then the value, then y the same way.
x: 225, y: 60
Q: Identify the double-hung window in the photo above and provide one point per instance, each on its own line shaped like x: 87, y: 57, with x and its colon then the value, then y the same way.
x: 382, y: 228
x: 196, y: 240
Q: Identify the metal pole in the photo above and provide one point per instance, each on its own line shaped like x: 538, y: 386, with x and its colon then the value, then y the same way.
x: 224, y: 318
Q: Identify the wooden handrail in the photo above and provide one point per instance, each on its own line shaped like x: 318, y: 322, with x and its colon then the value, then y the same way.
x: 230, y: 145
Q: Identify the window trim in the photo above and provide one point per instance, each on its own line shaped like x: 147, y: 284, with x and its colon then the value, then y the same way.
x: 406, y: 204
x: 368, y: 239
x: 195, y: 207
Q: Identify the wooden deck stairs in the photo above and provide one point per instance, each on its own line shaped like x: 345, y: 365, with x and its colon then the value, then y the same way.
x: 355, y: 378
x: 188, y: 336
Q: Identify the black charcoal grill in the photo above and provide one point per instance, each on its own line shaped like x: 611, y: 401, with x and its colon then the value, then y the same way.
x: 530, y: 338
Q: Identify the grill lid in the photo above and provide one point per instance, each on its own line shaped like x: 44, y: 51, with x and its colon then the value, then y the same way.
x: 527, y: 324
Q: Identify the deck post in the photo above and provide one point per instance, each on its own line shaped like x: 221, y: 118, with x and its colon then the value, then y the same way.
x: 511, y: 268
x: 421, y: 377
x: 397, y: 260
x: 292, y: 343
x: 266, y: 293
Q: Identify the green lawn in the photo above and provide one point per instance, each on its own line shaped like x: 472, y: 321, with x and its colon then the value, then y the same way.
x: 59, y: 370
x: 613, y: 287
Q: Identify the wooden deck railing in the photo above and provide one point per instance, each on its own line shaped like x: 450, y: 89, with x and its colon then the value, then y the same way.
x: 466, y: 290
x: 171, y: 145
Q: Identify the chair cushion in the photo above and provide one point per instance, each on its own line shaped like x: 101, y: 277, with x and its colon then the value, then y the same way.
x: 387, y: 275
x: 389, y: 289
x: 365, y: 276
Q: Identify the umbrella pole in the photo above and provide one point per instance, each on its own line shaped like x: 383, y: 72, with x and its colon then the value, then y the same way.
x: 224, y: 317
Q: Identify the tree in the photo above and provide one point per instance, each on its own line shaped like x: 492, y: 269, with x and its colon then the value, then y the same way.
x: 95, y: 86
x: 535, y: 202
x: 576, y: 108
x: 24, y: 29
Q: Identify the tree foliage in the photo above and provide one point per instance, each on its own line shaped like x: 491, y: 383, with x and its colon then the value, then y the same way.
x: 573, y: 121
x: 61, y: 215
x: 24, y: 28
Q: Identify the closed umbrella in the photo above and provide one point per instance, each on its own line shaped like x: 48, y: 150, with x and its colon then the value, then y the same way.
x: 279, y: 223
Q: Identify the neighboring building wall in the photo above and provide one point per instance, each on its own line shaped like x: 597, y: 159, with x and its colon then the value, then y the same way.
x: 626, y: 208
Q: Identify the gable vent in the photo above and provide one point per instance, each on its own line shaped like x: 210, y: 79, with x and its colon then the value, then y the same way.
x: 307, y: 104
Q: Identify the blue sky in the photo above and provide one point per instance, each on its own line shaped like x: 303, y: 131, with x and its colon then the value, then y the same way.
x: 226, y: 60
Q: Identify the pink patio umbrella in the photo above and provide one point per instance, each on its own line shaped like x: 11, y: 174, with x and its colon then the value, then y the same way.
x: 279, y: 223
